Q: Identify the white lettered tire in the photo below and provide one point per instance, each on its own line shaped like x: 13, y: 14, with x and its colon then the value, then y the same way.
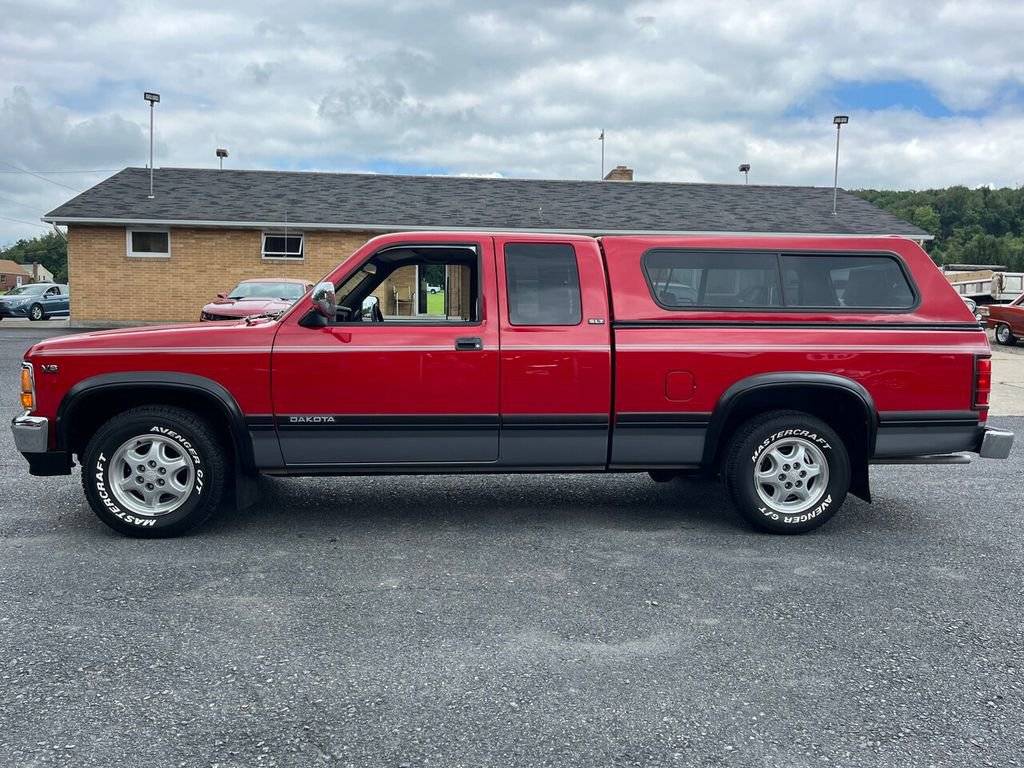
x: 153, y: 472
x: 786, y: 471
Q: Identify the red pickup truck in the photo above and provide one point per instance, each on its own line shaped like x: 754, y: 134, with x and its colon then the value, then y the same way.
x: 787, y: 365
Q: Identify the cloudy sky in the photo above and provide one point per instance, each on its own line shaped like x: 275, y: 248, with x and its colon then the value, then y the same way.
x: 685, y: 90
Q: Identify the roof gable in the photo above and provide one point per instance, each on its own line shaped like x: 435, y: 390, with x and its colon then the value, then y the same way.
x: 8, y: 267
x: 390, y: 203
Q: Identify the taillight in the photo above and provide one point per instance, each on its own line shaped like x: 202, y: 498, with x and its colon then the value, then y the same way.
x: 28, y: 387
x: 982, y: 385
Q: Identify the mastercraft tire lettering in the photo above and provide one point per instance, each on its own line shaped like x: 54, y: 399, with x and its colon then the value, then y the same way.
x: 786, y: 472
x: 154, y: 472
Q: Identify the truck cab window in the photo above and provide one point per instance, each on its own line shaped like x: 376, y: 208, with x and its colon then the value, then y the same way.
x: 543, y: 284
x: 413, y: 285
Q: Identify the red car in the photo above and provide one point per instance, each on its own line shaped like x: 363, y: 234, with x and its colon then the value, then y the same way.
x: 785, y: 365
x: 256, y: 297
x: 1008, y: 321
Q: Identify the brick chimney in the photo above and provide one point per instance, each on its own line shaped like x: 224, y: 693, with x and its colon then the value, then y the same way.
x: 620, y: 173
x: 35, y: 271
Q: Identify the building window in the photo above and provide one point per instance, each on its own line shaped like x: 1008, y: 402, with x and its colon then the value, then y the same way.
x: 149, y: 243
x: 278, y: 245
x: 543, y: 284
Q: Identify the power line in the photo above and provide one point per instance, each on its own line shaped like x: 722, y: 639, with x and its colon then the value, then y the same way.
x: 33, y: 173
x: 22, y: 221
x: 32, y: 252
x: 15, y: 202
x: 91, y: 170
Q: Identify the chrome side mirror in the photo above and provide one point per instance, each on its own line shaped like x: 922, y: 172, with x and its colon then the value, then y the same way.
x: 369, y: 304
x: 324, y: 300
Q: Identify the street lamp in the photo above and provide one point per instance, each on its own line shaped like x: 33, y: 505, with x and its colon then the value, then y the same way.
x: 745, y: 170
x: 153, y: 99
x: 222, y: 153
x: 839, y: 121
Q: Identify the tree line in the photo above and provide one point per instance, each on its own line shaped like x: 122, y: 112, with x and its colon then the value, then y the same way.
x: 50, y: 250
x: 971, y: 226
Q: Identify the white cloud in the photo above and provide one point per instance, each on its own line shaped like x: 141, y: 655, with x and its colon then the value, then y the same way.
x: 685, y: 91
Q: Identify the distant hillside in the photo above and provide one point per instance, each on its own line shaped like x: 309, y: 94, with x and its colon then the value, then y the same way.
x: 978, y: 226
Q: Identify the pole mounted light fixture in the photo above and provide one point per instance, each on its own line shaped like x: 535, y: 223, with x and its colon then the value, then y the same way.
x: 745, y: 170
x: 153, y: 99
x: 222, y: 153
x: 839, y: 121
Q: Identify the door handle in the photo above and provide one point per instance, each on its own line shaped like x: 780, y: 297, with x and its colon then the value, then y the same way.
x: 468, y: 344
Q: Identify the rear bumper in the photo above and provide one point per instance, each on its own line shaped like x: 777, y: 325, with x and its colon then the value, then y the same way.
x: 995, y: 443
x: 32, y: 439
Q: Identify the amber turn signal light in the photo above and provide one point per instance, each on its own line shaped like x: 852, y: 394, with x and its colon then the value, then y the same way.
x: 28, y: 396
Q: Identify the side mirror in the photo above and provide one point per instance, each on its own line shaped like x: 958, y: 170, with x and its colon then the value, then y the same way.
x: 369, y: 304
x: 222, y: 295
x: 324, y: 300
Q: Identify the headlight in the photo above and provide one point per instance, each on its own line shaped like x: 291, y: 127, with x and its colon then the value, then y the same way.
x: 28, y: 387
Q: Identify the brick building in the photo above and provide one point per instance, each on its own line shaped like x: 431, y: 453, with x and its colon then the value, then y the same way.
x: 133, y: 259
x: 13, y: 274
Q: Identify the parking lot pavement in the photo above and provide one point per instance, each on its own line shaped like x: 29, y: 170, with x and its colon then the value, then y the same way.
x: 9, y: 323
x: 1007, y: 380
x: 515, y: 620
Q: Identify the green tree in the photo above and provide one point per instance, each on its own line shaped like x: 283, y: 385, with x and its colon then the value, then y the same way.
x: 981, y: 226
x: 50, y: 250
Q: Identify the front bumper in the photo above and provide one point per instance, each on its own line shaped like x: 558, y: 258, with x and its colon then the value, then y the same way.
x: 32, y: 439
x: 18, y: 311
x: 995, y: 443
x: 31, y: 433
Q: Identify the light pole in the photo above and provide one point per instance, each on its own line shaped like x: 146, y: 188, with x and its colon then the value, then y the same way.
x: 745, y: 170
x: 221, y: 153
x: 153, y: 99
x: 839, y: 121
x: 601, y: 139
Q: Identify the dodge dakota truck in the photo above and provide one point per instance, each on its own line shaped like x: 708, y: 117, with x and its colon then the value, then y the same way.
x: 784, y: 365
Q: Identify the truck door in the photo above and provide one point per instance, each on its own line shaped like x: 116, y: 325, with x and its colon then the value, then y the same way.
x: 555, y: 353
x: 395, y: 381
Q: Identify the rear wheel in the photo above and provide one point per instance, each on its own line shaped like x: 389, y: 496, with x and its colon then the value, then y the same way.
x: 1004, y: 335
x: 36, y: 312
x: 154, y: 472
x: 786, y: 471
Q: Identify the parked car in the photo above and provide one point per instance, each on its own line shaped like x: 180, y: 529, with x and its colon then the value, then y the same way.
x: 36, y: 301
x: 1008, y: 321
x: 255, y: 297
x: 797, y: 363
x: 973, y: 306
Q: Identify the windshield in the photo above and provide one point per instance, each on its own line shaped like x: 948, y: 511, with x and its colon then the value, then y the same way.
x: 28, y: 290
x: 286, y: 291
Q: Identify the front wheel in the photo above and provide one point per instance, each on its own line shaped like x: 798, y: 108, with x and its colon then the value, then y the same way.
x: 36, y: 312
x: 154, y: 472
x: 1004, y: 335
x: 786, y: 472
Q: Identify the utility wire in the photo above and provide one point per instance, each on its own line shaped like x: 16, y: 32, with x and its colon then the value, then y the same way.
x: 15, y: 202
x: 49, y: 249
x: 22, y: 221
x: 33, y: 173
x: 91, y: 170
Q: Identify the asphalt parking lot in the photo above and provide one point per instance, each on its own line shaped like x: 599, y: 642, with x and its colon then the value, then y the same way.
x: 514, y: 620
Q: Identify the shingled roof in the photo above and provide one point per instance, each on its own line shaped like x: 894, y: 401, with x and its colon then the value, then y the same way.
x: 372, y: 202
